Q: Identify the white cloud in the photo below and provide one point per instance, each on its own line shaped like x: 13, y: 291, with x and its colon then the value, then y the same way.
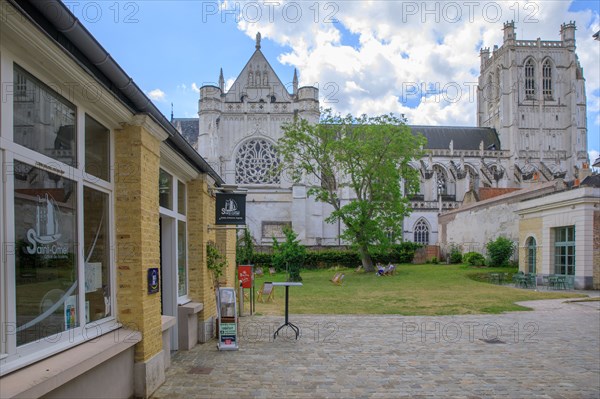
x: 195, y: 87
x: 397, y: 47
x: 228, y: 83
x: 157, y: 95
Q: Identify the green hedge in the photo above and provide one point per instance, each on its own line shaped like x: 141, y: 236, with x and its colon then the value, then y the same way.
x: 324, y: 259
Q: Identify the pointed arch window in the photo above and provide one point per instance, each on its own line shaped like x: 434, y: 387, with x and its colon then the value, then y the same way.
x: 497, y: 85
x: 529, y: 79
x: 256, y: 163
x: 547, y: 80
x: 421, y: 232
x: 489, y: 90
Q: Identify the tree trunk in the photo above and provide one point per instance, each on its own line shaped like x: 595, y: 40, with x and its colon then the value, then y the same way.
x: 365, y: 257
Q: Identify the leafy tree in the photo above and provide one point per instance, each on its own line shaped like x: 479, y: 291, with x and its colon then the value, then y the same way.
x: 245, y: 249
x: 500, y: 250
x: 369, y: 155
x: 289, y: 255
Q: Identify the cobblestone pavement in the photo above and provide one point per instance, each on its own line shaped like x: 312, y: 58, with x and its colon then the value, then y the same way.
x: 551, y: 352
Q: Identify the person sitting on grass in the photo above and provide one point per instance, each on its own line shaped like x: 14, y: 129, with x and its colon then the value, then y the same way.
x: 380, y: 269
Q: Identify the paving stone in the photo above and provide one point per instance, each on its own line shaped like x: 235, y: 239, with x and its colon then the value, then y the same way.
x: 551, y: 352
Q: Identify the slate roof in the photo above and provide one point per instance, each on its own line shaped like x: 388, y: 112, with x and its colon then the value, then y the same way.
x: 188, y: 127
x: 463, y: 137
x: 591, y: 181
x: 438, y: 137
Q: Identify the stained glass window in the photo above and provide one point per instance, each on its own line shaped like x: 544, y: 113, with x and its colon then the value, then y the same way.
x: 256, y: 163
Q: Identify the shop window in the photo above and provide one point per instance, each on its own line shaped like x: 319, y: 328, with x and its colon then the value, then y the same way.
x: 57, y: 213
x: 43, y: 120
x: 97, y: 149
x: 46, y: 273
x: 181, y: 197
x: 165, y: 190
x: 181, y: 259
x: 96, y: 255
x: 172, y: 199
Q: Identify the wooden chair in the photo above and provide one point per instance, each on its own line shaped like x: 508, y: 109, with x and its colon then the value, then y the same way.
x: 272, y: 271
x: 389, y: 270
x: 337, y: 278
x: 267, y: 289
x: 259, y: 272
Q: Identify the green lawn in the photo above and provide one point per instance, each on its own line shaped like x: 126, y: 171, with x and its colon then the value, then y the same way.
x: 413, y: 290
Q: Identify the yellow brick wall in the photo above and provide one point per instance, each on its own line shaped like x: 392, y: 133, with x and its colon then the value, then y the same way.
x: 226, y: 242
x: 596, y: 252
x: 530, y: 227
x: 201, y: 210
x: 137, y: 159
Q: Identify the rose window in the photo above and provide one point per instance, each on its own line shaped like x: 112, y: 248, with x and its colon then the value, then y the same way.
x: 256, y: 163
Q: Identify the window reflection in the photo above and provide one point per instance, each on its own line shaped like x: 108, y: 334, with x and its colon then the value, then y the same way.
x: 96, y: 254
x: 97, y: 149
x: 43, y: 121
x: 181, y: 258
x: 165, y: 189
x: 45, y: 209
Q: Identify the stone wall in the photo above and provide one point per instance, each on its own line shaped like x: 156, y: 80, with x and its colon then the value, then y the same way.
x: 471, y: 226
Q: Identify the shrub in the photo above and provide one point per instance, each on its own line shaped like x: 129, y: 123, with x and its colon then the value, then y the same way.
x: 500, y: 250
x: 455, y: 255
x: 289, y: 255
x: 433, y: 260
x: 474, y: 259
x: 262, y: 259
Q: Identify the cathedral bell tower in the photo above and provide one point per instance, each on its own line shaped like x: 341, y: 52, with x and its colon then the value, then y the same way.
x: 533, y: 93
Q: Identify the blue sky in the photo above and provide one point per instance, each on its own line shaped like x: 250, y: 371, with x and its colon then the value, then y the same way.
x: 366, y: 57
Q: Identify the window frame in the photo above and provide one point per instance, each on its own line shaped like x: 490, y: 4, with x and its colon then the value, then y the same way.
x: 547, y: 81
x: 175, y: 215
x: 275, y: 181
x: 531, y: 246
x: 420, y: 233
x: 561, y: 250
x: 13, y: 356
x: 530, y: 91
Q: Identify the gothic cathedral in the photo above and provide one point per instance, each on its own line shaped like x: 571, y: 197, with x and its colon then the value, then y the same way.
x: 531, y: 128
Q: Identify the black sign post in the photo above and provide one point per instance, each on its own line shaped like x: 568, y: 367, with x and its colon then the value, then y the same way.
x: 231, y: 208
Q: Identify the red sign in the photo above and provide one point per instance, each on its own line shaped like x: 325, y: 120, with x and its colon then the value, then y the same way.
x: 245, y: 275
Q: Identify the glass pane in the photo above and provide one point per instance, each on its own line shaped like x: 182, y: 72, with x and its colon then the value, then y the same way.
x: 45, y: 261
x: 97, y: 149
x: 96, y: 246
x: 43, y: 120
x: 165, y: 189
x: 180, y: 197
x: 181, y: 259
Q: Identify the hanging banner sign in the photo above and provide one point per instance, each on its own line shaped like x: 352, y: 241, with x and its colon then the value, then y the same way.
x: 231, y: 208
